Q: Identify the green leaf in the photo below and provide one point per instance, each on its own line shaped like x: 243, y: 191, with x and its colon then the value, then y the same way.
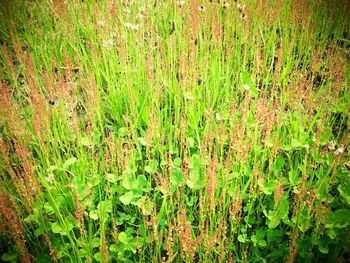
x: 142, y: 141
x: 57, y: 229
x: 262, y: 243
x: 177, y: 162
x: 196, y: 180
x: 268, y: 187
x: 105, y: 206
x: 248, y: 84
x: 98, y: 257
x: 176, y: 178
x: 294, y: 177
x: 339, y: 219
x: 38, y: 232
x: 242, y: 238
x: 10, y: 256
x: 296, y: 143
x: 344, y: 191
x: 69, y: 162
x: 323, y: 248
x: 190, y: 142
x: 128, y: 241
x: 273, y: 235
x: 48, y: 208
x: 126, y: 198
x: 85, y: 141
x: 93, y: 214
x: 274, y: 220
x: 123, y: 132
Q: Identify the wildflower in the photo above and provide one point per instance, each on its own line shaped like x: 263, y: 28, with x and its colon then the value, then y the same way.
x: 339, y: 151
x: 225, y: 5
x: 331, y: 145
x: 127, y: 11
x: 140, y: 16
x: 241, y: 7
x: 201, y: 8
x: 101, y: 23
x: 108, y: 43
x: 142, y: 10
x: 50, y: 178
x: 131, y: 26
x: 181, y: 2
x: 243, y: 17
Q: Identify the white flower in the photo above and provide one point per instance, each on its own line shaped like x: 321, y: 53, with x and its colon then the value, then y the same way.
x: 241, y: 6
x: 108, y: 43
x: 331, y: 145
x: 131, y: 26
x: 50, y: 178
x: 201, y: 8
x: 226, y: 5
x: 140, y: 16
x: 142, y: 10
x: 101, y: 23
x: 340, y: 150
x: 181, y: 2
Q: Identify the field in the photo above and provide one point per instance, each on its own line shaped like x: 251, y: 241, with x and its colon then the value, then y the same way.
x: 174, y: 131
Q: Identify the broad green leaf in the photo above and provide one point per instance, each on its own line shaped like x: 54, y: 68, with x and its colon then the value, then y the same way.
x: 123, y: 132
x: 93, y: 214
x: 323, y: 248
x: 248, y: 84
x: 105, y: 206
x: 85, y: 141
x: 339, y: 219
x: 250, y: 119
x: 190, y: 142
x: 296, y: 143
x: 344, y: 191
x: 69, y: 162
x: 242, y: 238
x: 142, y: 141
x: 274, y: 220
x: 126, y: 198
x: 268, y: 187
x: 10, y: 256
x: 57, y: 229
x: 128, y: 241
x: 196, y: 180
x: 176, y: 178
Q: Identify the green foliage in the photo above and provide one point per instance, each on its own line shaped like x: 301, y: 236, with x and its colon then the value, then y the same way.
x: 174, y: 131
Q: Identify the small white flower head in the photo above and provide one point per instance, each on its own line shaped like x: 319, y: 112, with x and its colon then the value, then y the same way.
x: 202, y: 8
x: 331, y: 145
x: 140, y: 16
x: 142, y: 10
x: 101, y: 23
x: 50, y: 178
x: 180, y: 2
x: 226, y: 5
x: 241, y: 7
x: 130, y: 26
x: 128, y: 2
x: 108, y: 43
x: 339, y: 151
x: 127, y: 11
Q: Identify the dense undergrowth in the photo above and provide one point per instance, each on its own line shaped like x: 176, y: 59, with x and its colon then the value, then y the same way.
x: 184, y: 131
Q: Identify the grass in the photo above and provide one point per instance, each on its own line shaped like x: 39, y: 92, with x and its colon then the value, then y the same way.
x: 174, y: 131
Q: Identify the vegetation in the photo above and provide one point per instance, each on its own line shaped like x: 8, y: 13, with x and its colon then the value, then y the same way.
x: 175, y: 131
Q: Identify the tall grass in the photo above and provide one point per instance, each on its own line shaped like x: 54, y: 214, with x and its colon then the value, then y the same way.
x: 174, y: 131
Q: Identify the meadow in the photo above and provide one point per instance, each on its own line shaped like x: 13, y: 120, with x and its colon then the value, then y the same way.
x: 174, y: 131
